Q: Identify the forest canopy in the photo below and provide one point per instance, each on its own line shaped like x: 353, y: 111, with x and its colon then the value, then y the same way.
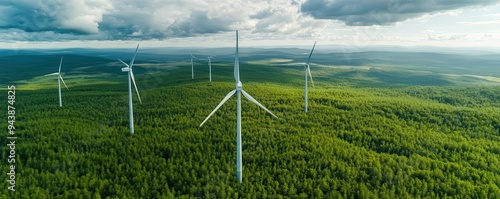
x: 356, y: 141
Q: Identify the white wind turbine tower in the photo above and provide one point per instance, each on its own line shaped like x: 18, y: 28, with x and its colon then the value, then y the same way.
x: 192, y: 67
x: 59, y: 79
x: 239, y: 90
x: 130, y: 81
x: 210, y: 67
x: 308, y: 70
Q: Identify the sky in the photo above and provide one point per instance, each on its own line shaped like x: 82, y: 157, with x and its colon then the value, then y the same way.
x: 211, y: 23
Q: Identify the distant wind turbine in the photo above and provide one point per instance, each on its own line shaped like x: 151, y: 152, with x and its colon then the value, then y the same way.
x: 239, y: 90
x: 59, y: 79
x: 210, y: 67
x: 308, y: 70
x: 130, y: 81
x: 192, y: 67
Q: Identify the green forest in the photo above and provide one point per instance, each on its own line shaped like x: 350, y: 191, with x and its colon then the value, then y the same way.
x: 366, y: 135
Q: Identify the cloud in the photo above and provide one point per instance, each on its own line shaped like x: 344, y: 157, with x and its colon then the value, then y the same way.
x: 286, y: 21
x: 68, y: 16
x: 446, y: 37
x: 382, y: 12
x: 58, y: 20
x: 65, y: 20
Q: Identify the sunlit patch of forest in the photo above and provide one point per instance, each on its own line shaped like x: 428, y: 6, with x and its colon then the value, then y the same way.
x: 367, y: 134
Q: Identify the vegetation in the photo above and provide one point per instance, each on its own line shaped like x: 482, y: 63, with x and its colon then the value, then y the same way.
x: 365, y: 136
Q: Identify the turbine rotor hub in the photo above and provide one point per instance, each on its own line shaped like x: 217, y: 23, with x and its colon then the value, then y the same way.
x: 239, y: 86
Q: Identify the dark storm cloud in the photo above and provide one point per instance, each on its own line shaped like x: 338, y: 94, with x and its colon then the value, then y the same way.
x: 25, y: 18
x: 382, y: 12
x: 115, y: 19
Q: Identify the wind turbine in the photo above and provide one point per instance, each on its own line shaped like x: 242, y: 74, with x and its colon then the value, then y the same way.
x: 130, y: 81
x: 210, y: 67
x: 192, y: 67
x: 239, y: 90
x: 59, y: 79
x: 308, y: 70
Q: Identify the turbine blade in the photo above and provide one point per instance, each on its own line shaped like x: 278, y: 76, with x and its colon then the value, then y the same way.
x: 60, y: 64
x: 51, y: 74
x: 249, y: 97
x: 63, y: 81
x: 124, y: 63
x: 133, y: 58
x: 236, y: 70
x: 192, y: 56
x: 231, y: 93
x: 136, y: 90
x: 237, y: 62
x: 310, y: 54
x: 309, y: 71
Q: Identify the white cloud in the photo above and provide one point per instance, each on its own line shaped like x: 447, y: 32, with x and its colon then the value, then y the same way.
x: 259, y: 20
x: 83, y: 15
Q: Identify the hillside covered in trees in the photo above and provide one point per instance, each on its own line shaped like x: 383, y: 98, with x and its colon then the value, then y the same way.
x: 366, y: 135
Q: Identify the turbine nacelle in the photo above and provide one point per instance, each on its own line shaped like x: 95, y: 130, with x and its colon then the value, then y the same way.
x: 126, y: 69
